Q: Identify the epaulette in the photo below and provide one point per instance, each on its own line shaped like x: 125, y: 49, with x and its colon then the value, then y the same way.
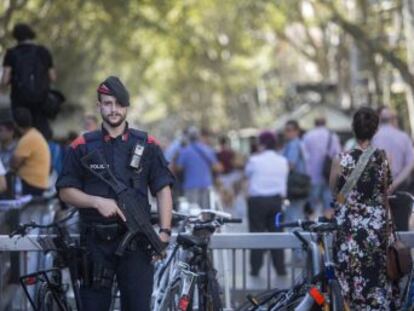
x: 80, y: 140
x: 140, y: 135
x: 153, y: 140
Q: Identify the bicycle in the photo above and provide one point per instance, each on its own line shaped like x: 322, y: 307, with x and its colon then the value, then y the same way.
x: 319, y: 289
x: 187, y: 278
x: 50, y: 292
x: 408, y: 288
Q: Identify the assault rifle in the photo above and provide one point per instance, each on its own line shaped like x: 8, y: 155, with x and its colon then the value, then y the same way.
x: 131, y: 205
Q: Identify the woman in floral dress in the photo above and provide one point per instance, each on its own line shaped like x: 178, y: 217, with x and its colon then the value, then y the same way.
x: 360, y: 244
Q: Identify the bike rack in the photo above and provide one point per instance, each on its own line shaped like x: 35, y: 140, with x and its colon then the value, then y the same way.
x: 221, y: 241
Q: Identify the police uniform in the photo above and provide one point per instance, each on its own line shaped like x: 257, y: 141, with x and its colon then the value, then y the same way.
x: 101, y: 236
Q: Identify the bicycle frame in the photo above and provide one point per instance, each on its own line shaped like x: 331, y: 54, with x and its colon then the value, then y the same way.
x: 315, y: 260
x: 192, y: 266
x: 320, y: 278
x: 322, y: 272
x: 188, y: 281
x: 164, y: 273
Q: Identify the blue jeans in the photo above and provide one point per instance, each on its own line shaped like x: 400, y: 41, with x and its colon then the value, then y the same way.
x: 320, y: 197
x: 294, y: 212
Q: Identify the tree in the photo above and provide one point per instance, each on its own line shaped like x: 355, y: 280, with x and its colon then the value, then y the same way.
x: 225, y: 64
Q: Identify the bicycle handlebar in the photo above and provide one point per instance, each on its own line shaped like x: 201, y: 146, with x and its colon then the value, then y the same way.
x: 197, y: 217
x: 176, y: 217
x: 301, y: 238
x: 322, y: 224
x: 295, y: 224
x: 22, y: 229
x: 233, y: 221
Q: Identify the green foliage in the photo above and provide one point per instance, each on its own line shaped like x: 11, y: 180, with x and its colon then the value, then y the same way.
x: 188, y: 60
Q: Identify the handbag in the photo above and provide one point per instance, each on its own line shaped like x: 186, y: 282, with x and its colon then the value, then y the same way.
x: 399, y: 261
x: 298, y: 184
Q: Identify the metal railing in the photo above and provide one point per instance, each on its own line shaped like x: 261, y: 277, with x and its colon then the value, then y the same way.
x: 231, y: 252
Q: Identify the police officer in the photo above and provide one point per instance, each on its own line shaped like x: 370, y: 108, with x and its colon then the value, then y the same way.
x: 102, y: 220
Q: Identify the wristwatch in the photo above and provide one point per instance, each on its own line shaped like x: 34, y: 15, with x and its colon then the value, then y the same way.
x: 166, y: 231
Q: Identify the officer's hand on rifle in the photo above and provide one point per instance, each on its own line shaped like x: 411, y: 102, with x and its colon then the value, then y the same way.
x: 108, y: 208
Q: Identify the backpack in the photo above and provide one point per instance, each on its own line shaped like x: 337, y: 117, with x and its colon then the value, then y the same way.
x: 30, y: 77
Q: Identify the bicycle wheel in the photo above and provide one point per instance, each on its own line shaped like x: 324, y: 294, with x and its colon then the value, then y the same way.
x: 48, y: 300
x: 288, y: 305
x: 213, y: 294
x: 263, y: 300
x: 294, y: 300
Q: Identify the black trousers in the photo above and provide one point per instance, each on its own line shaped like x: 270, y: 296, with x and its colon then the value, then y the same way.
x: 262, y: 211
x: 134, y: 273
x: 40, y: 121
x: 401, y: 209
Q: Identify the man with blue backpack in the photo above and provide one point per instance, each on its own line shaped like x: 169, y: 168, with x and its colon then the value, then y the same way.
x: 28, y: 68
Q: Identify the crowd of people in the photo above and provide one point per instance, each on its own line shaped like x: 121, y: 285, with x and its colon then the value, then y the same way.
x: 309, y: 169
x: 202, y: 161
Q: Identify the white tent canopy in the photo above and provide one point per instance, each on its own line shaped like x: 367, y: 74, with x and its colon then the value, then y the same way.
x: 306, y: 114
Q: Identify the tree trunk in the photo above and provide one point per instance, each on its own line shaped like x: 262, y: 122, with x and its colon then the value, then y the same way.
x: 408, y: 16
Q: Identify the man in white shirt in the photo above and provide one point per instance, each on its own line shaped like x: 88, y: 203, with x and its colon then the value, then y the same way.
x: 267, y: 174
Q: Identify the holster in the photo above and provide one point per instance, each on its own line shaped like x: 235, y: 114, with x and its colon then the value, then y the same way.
x: 94, y: 273
x: 97, y: 275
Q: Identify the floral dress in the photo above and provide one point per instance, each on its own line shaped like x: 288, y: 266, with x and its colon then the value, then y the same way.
x: 360, y: 244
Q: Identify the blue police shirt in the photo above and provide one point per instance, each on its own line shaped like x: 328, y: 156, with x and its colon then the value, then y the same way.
x: 153, y: 173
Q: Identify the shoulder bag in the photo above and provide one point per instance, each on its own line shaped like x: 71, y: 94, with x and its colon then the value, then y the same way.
x: 399, y: 260
x: 299, y: 184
